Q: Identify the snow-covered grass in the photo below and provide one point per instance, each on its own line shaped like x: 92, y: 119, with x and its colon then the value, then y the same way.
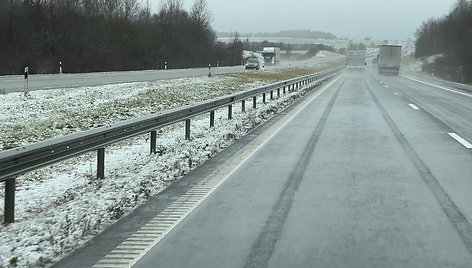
x: 60, y: 207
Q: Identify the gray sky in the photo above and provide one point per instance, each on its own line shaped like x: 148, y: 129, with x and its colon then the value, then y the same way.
x: 380, y: 19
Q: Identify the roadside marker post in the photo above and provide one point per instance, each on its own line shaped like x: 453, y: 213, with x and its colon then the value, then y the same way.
x: 165, y: 65
x: 209, y: 70
x: 60, y: 67
x: 26, y: 81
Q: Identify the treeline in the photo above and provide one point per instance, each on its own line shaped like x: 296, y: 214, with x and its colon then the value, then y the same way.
x: 450, y: 36
x: 258, y: 46
x: 289, y: 33
x: 107, y: 35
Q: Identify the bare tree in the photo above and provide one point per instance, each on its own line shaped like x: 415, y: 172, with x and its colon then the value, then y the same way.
x: 201, y: 14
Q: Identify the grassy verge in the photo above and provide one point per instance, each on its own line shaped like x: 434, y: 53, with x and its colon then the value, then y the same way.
x: 57, y: 112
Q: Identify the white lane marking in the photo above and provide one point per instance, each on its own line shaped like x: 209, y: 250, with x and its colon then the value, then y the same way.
x: 381, y: 82
x: 386, y: 86
x: 440, y: 87
x: 196, y: 195
x: 395, y: 93
x: 461, y: 140
x: 414, y: 106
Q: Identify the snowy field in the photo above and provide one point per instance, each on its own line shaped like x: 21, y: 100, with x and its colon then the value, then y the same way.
x: 60, y: 207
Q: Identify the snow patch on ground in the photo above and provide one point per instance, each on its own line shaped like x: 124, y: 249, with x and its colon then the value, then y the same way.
x: 60, y: 207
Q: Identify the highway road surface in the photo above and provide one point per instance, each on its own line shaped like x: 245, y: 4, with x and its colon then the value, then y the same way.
x: 16, y: 83
x: 369, y: 171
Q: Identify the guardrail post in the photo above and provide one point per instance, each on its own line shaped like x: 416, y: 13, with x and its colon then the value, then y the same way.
x: 101, y: 163
x: 230, y: 111
x: 187, y: 129
x: 243, y: 106
x: 263, y: 98
x: 284, y: 90
x: 153, y: 141
x: 9, y: 216
x: 212, y: 118
x: 278, y: 92
x: 271, y: 94
x: 254, y: 101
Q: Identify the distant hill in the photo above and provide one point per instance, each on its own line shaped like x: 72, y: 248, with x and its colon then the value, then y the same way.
x: 307, y: 34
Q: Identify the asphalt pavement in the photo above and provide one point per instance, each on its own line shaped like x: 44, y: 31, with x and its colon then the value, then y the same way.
x: 366, y: 172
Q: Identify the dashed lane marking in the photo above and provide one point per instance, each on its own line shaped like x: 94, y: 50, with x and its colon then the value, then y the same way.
x: 462, y: 141
x: 414, y: 106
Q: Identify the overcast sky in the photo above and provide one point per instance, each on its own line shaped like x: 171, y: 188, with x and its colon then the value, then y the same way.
x: 380, y: 19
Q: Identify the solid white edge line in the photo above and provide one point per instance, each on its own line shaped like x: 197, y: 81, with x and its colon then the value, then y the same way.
x: 414, y: 106
x: 440, y: 87
x: 461, y: 140
x: 287, y: 120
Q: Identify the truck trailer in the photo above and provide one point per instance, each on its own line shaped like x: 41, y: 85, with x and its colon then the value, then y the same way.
x: 355, y: 59
x: 271, y: 55
x: 389, y: 59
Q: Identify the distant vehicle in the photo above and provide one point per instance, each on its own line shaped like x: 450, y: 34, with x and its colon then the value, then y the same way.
x: 271, y: 55
x: 389, y: 59
x: 355, y: 59
x: 252, y: 63
x: 375, y: 60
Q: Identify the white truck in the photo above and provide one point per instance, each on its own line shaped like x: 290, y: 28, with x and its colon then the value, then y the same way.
x: 389, y: 59
x: 271, y: 55
x: 355, y: 59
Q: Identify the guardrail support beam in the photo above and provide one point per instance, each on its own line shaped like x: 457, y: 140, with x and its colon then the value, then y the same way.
x: 230, y: 112
x: 254, y: 101
x: 101, y: 163
x: 278, y: 93
x: 284, y: 90
x: 243, y: 106
x: 153, y: 141
x: 271, y: 94
x: 212, y: 118
x: 263, y: 97
x: 187, y: 129
x: 9, y: 216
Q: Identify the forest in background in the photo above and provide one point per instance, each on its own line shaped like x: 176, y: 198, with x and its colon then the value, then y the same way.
x: 108, y: 35
x: 451, y: 37
x: 307, y: 34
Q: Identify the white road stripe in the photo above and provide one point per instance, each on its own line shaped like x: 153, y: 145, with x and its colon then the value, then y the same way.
x: 443, y: 88
x: 461, y: 140
x: 414, y: 106
x: 395, y: 93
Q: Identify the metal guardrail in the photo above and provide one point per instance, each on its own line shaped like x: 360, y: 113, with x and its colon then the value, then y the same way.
x: 18, y: 161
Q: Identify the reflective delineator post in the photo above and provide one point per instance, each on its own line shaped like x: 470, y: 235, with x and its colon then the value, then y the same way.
x: 26, y: 81
x: 60, y: 67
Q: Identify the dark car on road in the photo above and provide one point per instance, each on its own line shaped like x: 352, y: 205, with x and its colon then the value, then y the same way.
x: 252, y: 63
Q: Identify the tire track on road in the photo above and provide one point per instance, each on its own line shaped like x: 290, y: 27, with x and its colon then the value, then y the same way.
x: 262, y: 250
x: 453, y: 213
